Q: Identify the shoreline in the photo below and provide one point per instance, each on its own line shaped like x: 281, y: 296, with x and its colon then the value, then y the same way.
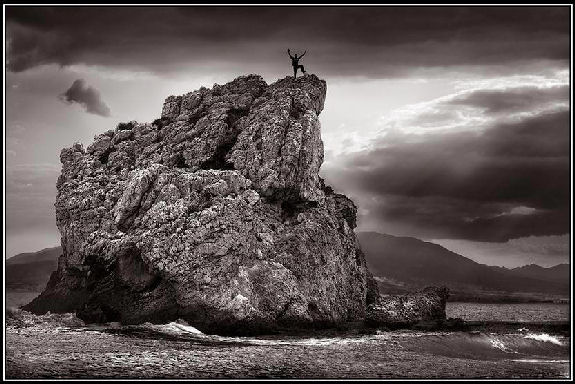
x: 176, y: 351
x: 18, y: 319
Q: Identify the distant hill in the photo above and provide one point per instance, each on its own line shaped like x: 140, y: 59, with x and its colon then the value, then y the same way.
x: 31, y: 271
x: 557, y: 273
x: 416, y: 263
x: 47, y: 254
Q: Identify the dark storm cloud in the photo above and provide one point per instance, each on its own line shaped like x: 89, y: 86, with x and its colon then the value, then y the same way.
x: 523, y: 163
x: 344, y: 40
x: 518, y: 99
x: 442, y: 217
x: 86, y: 96
x: 508, y: 181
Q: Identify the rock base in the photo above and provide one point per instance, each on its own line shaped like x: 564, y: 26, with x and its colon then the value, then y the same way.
x: 425, y: 308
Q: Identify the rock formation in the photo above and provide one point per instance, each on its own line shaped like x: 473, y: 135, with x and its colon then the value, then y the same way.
x: 214, y: 213
x: 407, y: 310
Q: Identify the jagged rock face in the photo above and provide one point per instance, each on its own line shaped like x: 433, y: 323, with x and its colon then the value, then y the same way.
x: 214, y: 213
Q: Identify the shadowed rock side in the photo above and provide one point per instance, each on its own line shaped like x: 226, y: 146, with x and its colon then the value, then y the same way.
x: 214, y: 213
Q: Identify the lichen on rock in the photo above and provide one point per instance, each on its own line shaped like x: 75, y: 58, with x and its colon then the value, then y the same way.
x: 215, y: 214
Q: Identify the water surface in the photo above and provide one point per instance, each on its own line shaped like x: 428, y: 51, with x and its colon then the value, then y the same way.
x: 177, y: 350
x: 524, y: 312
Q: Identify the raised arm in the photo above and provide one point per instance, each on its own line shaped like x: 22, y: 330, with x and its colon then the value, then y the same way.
x: 289, y: 53
x: 302, y: 54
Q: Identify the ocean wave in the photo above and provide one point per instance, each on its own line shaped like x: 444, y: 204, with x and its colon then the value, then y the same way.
x: 174, y: 328
x: 485, y: 346
x: 184, y: 328
x: 498, y: 344
x: 183, y: 331
x: 544, y: 337
x: 523, y: 345
x: 541, y: 361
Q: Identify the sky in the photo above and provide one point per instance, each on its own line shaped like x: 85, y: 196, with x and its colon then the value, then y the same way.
x: 449, y: 124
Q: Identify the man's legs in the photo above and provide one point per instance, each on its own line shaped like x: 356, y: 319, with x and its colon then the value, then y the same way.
x: 302, y: 68
x: 294, y: 71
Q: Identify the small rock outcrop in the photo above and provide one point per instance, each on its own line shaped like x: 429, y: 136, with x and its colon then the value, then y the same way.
x: 407, y: 310
x: 214, y: 213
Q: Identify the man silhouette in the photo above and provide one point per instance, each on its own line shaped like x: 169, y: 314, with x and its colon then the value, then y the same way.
x: 295, y: 63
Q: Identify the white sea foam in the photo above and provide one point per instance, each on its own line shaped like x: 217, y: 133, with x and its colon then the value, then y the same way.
x: 307, y: 341
x: 178, y: 328
x: 544, y: 337
x: 540, y: 361
x: 498, y: 344
x: 173, y: 328
x: 185, y: 328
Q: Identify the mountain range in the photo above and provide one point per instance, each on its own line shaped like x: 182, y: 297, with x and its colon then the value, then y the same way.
x: 405, y: 263
x: 31, y: 271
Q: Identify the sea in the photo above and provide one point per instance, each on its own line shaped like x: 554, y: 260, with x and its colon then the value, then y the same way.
x: 523, y: 341
x: 522, y: 312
